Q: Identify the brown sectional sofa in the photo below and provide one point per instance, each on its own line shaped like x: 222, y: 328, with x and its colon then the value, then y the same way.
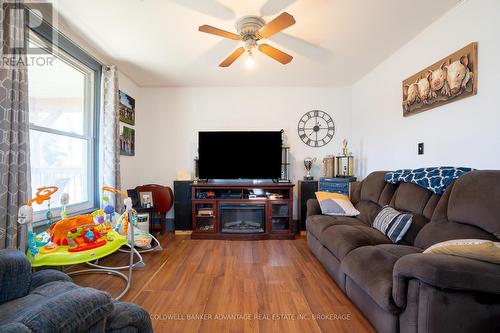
x: 396, y: 286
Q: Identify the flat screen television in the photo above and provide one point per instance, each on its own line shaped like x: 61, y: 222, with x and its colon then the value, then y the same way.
x: 237, y: 155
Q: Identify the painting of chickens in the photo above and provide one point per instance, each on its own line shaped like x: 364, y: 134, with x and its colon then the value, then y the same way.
x: 447, y: 80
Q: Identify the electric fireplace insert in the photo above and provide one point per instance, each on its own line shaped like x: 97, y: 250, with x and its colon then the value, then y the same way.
x: 242, y: 218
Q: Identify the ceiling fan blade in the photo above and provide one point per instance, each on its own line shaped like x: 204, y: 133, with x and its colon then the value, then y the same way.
x: 283, y: 21
x: 218, y: 32
x: 229, y: 60
x: 276, y: 54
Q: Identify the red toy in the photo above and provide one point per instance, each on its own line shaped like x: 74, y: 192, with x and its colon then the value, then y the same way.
x: 85, y: 238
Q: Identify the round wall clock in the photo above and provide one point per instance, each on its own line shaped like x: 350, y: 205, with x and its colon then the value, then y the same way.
x: 316, y: 128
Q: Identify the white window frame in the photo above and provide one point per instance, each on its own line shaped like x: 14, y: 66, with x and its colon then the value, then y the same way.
x: 88, y: 132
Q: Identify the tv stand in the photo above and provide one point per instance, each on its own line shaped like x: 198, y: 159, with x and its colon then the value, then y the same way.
x: 242, y: 211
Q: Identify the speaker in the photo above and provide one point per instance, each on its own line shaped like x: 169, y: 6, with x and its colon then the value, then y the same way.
x: 306, y: 191
x: 182, y: 205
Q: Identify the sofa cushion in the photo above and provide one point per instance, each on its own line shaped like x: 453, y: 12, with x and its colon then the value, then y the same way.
x: 372, y: 186
x: 417, y: 223
x: 58, y: 307
x: 20, y: 307
x: 387, y: 194
x: 371, y: 268
x: 15, y: 275
x: 436, y: 232
x: 14, y: 328
x: 342, y: 239
x: 431, y: 206
x: 367, y: 211
x: 127, y: 317
x: 411, y: 198
x: 465, y: 211
x: 316, y: 224
x: 370, y: 195
x: 418, y: 201
x: 474, y: 200
x: 46, y: 276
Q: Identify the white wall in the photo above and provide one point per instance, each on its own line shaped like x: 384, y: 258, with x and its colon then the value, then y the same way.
x: 462, y: 133
x: 168, y: 121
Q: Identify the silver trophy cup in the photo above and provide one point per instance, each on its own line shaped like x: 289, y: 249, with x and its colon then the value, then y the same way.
x: 308, y: 163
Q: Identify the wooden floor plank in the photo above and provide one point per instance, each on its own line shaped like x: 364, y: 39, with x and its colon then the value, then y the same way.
x: 233, y: 286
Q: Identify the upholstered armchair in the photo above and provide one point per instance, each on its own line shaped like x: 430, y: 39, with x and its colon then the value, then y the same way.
x: 47, y: 301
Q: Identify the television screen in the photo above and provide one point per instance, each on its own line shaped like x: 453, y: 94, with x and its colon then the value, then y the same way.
x: 234, y: 155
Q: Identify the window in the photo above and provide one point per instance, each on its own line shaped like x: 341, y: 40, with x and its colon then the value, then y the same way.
x: 63, y: 101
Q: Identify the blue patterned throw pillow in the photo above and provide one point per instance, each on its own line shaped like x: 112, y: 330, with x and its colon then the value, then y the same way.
x: 392, y: 223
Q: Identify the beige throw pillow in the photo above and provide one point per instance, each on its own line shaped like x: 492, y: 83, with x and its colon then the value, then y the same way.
x: 479, y: 249
x: 335, y: 204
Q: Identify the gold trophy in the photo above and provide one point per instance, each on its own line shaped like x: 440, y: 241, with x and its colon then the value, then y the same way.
x: 345, y: 162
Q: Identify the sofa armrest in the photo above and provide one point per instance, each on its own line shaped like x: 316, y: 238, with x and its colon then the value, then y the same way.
x: 445, y: 272
x: 15, y: 275
x: 45, y: 276
x: 14, y: 327
x: 126, y: 316
x: 74, y: 311
x: 313, y: 207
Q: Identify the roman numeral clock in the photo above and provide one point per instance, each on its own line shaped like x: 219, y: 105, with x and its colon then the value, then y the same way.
x: 316, y: 128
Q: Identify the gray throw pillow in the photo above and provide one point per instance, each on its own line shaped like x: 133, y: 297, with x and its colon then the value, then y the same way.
x: 392, y: 223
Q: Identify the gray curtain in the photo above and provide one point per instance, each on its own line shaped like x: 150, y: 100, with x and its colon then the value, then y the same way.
x: 14, y: 128
x: 110, y: 134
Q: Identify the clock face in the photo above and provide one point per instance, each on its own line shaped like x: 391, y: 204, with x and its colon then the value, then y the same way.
x: 316, y: 128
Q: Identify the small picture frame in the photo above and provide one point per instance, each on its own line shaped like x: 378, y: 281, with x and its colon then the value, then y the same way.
x: 146, y: 199
x: 126, y: 108
x: 127, y: 141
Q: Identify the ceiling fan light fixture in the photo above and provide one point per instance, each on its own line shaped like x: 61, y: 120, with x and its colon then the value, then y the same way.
x: 250, y: 44
x: 251, y: 29
x: 250, y: 62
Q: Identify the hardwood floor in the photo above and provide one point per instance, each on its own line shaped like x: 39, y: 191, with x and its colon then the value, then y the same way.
x: 235, y: 286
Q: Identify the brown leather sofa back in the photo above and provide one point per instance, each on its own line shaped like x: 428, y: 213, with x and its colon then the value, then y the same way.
x: 470, y: 208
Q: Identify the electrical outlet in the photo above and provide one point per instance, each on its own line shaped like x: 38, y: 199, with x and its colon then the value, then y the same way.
x: 421, y: 148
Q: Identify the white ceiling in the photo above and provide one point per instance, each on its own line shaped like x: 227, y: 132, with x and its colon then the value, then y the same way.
x: 334, y: 42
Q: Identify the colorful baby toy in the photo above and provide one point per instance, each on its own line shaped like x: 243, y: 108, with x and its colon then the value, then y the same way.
x: 25, y: 216
x: 70, y: 240
x: 64, y: 202
x: 81, y: 238
x: 142, y: 239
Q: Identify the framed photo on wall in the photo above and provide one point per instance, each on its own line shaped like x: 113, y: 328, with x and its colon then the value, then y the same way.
x: 127, y: 141
x: 127, y: 108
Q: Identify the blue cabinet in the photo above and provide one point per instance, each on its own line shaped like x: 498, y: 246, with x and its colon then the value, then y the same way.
x: 340, y: 185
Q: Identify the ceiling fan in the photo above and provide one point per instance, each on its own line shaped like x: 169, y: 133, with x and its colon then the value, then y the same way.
x: 252, y: 29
